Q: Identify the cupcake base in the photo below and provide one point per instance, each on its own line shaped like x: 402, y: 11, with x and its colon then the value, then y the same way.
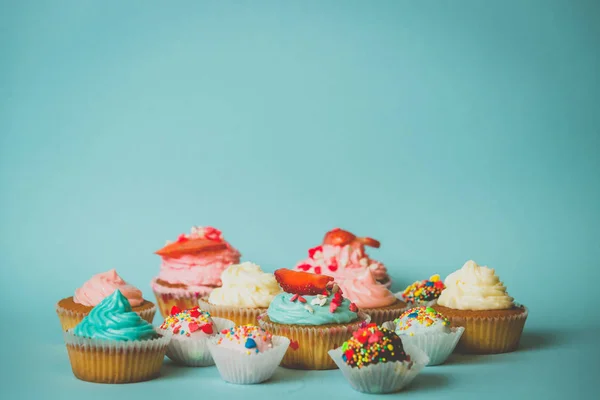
x: 167, y: 297
x: 387, y: 313
x: 70, y: 313
x: 487, y: 331
x: 239, y: 315
x: 309, y: 344
x: 106, y: 361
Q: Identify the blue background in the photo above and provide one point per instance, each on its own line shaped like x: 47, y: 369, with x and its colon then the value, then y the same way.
x: 449, y: 130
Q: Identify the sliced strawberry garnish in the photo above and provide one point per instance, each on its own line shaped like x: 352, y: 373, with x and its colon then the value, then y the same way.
x: 191, y: 246
x: 340, y: 237
x: 367, y: 241
x: 302, y: 283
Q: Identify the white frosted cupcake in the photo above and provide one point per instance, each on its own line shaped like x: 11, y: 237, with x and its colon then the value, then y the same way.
x: 428, y: 330
x: 191, y: 330
x: 246, y: 293
x: 247, y: 354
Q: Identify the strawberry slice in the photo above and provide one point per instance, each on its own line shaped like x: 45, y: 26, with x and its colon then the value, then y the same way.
x: 302, y: 283
x: 191, y: 246
x: 338, y: 237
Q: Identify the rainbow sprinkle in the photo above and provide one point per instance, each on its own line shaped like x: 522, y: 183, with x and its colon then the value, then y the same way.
x: 246, y: 336
x: 423, y: 291
x: 371, y: 345
x: 186, y: 322
x: 421, y: 315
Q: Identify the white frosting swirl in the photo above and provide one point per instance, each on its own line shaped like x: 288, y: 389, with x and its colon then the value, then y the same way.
x: 245, y: 285
x: 474, y: 287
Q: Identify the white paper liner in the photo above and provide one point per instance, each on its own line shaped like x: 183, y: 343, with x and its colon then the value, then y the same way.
x: 243, y: 369
x: 193, y: 351
x: 237, y: 314
x: 436, y: 345
x: 387, y: 377
x: 116, y: 361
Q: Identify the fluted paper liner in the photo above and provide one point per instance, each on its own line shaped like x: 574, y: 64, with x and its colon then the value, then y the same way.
x: 177, y: 297
x: 113, y: 361
x: 490, y: 335
x: 310, y: 344
x: 244, y: 369
x: 193, y: 351
x: 69, y: 319
x: 388, y: 377
x: 239, y: 315
x: 436, y: 345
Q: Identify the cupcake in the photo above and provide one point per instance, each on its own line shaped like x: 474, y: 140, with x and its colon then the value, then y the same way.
x: 246, y: 293
x: 342, y: 256
x: 191, y: 330
x: 430, y: 331
x: 191, y: 268
x: 247, y: 354
x: 423, y: 293
x: 476, y: 299
x: 113, y: 344
x: 314, y: 315
x: 372, y: 297
x: 71, y: 310
x: 374, y: 360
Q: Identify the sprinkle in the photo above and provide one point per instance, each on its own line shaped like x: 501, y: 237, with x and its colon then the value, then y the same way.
x: 421, y: 315
x: 301, y: 299
x: 332, y: 307
x: 353, y: 307
x: 423, y: 291
x: 294, y: 297
x: 309, y: 309
x: 207, y: 328
x: 250, y: 343
x: 315, y: 250
x: 317, y: 270
x: 175, y: 310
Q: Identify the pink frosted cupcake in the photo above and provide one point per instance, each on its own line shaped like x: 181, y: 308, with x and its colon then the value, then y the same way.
x: 342, y: 256
x: 372, y: 297
x: 191, y: 268
x: 72, y: 310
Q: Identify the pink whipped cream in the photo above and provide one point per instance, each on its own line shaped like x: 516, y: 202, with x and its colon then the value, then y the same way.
x: 366, y: 292
x: 342, y: 262
x: 102, y: 285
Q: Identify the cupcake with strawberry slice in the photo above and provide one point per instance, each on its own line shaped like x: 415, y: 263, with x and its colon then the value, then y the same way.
x: 342, y: 256
x: 313, y: 313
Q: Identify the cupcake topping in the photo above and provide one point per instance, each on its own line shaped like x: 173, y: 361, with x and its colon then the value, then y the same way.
x: 113, y: 319
x: 424, y: 291
x: 249, y: 339
x: 189, y: 322
x: 366, y: 292
x: 245, y: 285
x: 199, y: 240
x: 373, y: 344
x: 302, y: 283
x: 101, y: 285
x: 419, y: 319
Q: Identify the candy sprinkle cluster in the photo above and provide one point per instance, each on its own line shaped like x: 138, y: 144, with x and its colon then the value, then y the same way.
x: 423, y: 291
x: 371, y: 345
x: 186, y: 322
x: 426, y: 316
x: 253, y: 338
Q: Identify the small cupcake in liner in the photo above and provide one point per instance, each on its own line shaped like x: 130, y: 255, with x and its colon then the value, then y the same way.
x: 191, y: 330
x: 374, y: 360
x: 247, y: 354
x: 476, y: 299
x: 191, y: 268
x: 423, y: 293
x: 314, y: 315
x: 430, y: 331
x: 72, y: 310
x: 372, y: 297
x: 113, y: 344
x: 246, y: 293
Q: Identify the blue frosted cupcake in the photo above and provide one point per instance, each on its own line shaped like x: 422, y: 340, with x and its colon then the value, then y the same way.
x: 113, y: 344
x: 314, y: 315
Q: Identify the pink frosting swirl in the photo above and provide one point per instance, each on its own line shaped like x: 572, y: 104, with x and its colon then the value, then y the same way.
x: 366, y: 292
x: 102, y: 285
x: 198, y: 270
x: 342, y: 262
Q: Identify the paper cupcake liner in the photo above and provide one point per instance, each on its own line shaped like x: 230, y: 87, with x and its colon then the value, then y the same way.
x: 381, y: 315
x: 112, y: 361
x: 387, y: 377
x: 437, y: 346
x: 194, y: 352
x: 490, y: 335
x: 69, y: 319
x: 309, y: 344
x: 184, y: 300
x: 239, y: 315
x: 243, y: 369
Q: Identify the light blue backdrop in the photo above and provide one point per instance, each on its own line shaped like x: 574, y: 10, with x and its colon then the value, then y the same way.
x: 447, y: 130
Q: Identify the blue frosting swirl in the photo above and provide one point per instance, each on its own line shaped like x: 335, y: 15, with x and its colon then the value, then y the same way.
x: 112, y: 319
x: 284, y: 311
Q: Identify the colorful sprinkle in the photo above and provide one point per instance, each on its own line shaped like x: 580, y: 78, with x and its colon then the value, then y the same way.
x: 424, y: 291
x: 373, y: 344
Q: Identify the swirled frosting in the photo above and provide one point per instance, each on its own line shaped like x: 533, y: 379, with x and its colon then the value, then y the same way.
x: 475, y: 287
x: 113, y: 319
x: 288, y: 308
x: 245, y: 285
x: 366, y: 292
x: 101, y: 285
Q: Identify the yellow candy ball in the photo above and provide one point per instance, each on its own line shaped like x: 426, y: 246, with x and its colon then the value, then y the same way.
x: 434, y: 278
